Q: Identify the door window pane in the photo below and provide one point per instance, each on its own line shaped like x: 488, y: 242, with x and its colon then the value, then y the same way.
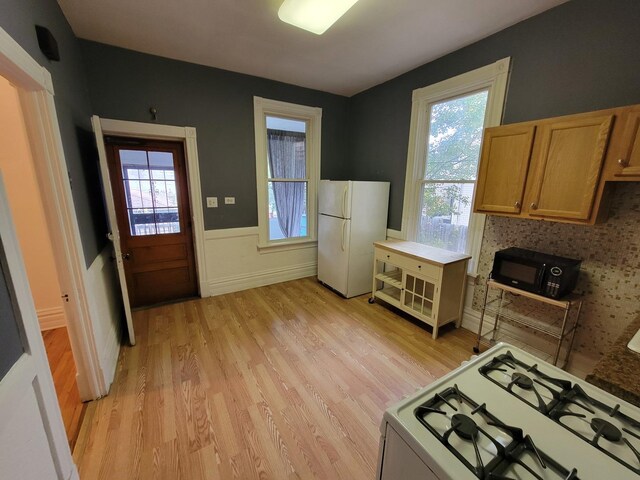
x: 150, y: 191
x: 287, y: 210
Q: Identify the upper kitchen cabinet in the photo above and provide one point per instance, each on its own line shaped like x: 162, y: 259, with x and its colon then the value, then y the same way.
x: 568, y: 158
x: 623, y: 164
x: 556, y: 169
x: 504, y: 163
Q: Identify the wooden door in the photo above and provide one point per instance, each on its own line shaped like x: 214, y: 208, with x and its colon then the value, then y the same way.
x: 149, y: 184
x: 504, y: 164
x: 33, y: 443
x: 628, y: 161
x: 568, y: 157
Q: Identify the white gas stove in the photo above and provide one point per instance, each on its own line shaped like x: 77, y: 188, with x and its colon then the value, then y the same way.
x: 508, y: 415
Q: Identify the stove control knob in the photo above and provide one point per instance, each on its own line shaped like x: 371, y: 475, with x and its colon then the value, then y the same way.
x: 556, y: 271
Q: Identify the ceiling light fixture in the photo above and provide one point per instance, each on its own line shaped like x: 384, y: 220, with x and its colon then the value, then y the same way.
x: 315, y: 16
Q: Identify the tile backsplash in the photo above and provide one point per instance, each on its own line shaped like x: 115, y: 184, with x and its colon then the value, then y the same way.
x: 610, y: 273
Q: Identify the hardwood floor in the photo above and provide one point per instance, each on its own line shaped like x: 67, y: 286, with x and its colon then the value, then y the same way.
x: 63, y: 369
x: 285, y: 381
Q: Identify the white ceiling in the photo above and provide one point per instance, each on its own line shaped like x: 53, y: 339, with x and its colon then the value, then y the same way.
x: 374, y: 41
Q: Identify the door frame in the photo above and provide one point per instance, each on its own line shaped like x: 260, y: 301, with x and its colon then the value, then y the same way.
x: 35, y: 87
x: 186, y: 135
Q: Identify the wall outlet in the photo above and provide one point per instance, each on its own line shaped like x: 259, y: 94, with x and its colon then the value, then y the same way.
x: 212, y: 202
x: 229, y: 200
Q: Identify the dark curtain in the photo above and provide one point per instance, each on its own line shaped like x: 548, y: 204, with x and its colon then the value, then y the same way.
x: 287, y: 159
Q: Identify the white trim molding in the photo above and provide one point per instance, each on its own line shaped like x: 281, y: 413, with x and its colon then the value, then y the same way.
x: 51, y: 317
x: 236, y: 283
x: 230, y: 233
x: 312, y: 116
x: 189, y: 137
x: 35, y: 88
x: 492, y: 78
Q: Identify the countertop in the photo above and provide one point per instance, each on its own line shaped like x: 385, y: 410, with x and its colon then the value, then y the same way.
x: 618, y: 372
x: 421, y: 252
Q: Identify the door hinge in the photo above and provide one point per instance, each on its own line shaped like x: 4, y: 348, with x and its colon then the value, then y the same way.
x: 65, y: 297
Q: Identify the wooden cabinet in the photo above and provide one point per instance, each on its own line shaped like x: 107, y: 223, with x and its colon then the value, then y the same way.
x: 624, y: 162
x: 504, y: 164
x: 556, y: 169
x: 427, y: 283
x: 567, y: 163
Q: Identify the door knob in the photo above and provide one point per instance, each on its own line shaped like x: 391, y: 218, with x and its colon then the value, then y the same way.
x: 517, y: 204
x: 126, y: 256
x: 623, y: 162
x: 534, y: 206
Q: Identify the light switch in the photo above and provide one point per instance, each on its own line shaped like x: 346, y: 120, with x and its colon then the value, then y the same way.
x: 212, y: 202
x: 229, y: 200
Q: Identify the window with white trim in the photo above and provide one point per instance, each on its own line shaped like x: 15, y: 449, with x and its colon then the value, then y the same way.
x: 447, y: 124
x: 287, y: 171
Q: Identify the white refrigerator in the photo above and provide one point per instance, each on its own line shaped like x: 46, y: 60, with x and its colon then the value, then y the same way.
x: 351, y: 216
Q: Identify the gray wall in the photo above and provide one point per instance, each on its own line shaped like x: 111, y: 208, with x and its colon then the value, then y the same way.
x: 124, y: 84
x: 580, y: 56
x: 18, y: 18
x: 10, y: 344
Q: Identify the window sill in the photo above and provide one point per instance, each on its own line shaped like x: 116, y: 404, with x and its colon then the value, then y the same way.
x: 283, y: 247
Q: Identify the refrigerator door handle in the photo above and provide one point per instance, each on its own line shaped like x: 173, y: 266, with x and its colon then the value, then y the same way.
x: 344, y: 224
x: 344, y: 202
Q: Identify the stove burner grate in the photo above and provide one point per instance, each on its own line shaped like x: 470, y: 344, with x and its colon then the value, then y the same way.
x: 466, y: 428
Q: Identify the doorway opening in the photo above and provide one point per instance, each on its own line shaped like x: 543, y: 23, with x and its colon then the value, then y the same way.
x: 30, y: 219
x: 151, y: 198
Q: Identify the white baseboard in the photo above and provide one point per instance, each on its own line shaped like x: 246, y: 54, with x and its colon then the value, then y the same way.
x: 579, y: 363
x: 236, y: 283
x: 52, y: 317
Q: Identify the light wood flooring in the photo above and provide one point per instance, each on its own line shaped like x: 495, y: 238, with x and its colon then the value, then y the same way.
x: 286, y: 381
x: 63, y: 370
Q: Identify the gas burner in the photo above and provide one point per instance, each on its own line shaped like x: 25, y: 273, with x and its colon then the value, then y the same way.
x: 603, y: 426
x: 605, y: 429
x: 488, y: 447
x: 522, y: 381
x: 464, y: 426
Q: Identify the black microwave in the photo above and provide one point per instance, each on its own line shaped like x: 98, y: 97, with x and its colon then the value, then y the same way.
x: 547, y: 275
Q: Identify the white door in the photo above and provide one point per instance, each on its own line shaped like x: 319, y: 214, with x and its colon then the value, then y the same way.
x: 33, y: 443
x: 334, y: 198
x: 114, y: 235
x: 333, y: 252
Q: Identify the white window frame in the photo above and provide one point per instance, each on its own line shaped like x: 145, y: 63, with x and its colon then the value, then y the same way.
x: 312, y: 116
x: 492, y: 78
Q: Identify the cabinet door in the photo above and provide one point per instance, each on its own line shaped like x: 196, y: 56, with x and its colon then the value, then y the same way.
x: 568, y: 160
x: 628, y: 164
x: 506, y: 152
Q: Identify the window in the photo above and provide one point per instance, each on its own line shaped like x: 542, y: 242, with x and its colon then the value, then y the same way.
x: 287, y: 171
x: 447, y: 123
x: 150, y: 191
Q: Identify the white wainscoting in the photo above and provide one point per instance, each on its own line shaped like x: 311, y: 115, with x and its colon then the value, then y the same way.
x: 50, y: 318
x: 106, y: 311
x: 234, y: 263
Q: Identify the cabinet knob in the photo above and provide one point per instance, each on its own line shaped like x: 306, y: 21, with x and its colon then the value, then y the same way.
x: 623, y: 162
x: 517, y: 204
x: 534, y: 206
